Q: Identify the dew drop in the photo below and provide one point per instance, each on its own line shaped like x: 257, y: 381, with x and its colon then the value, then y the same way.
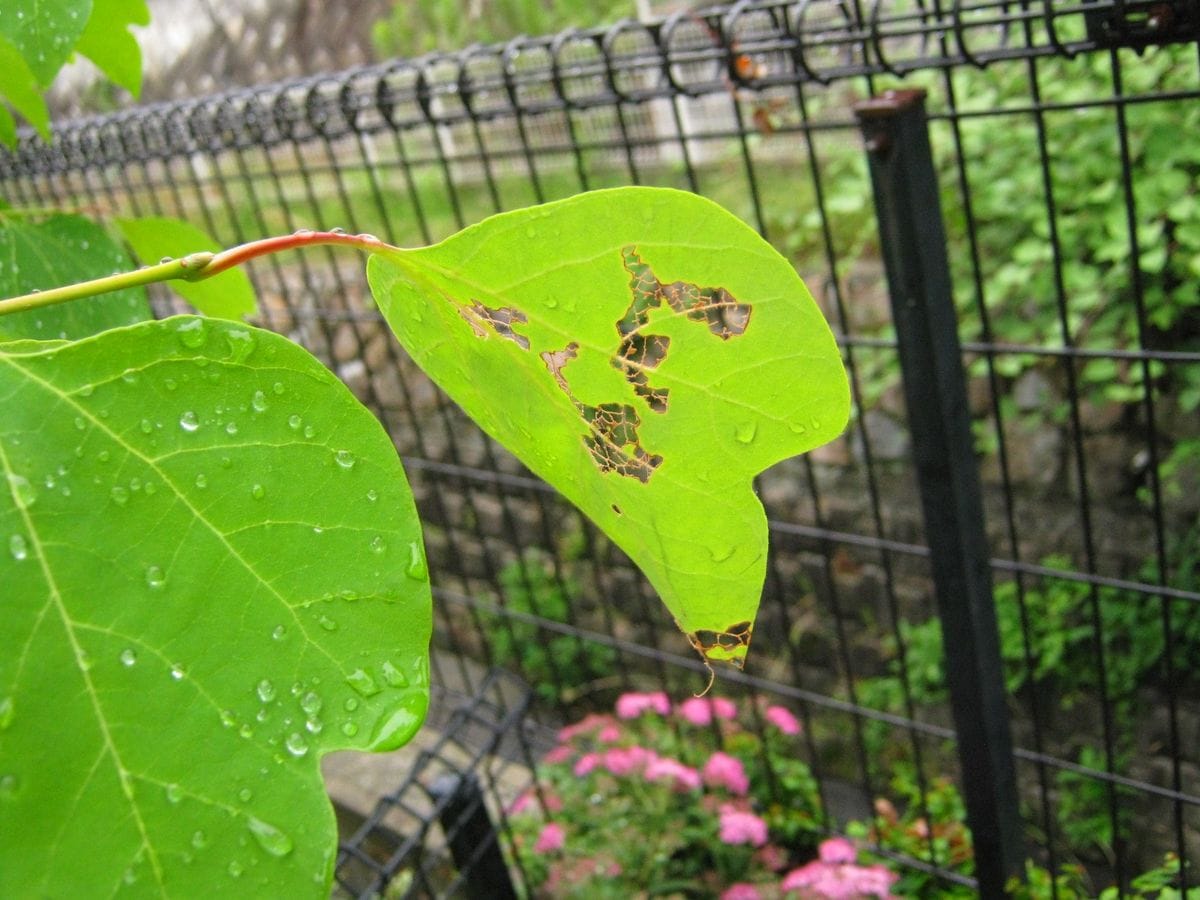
x: 277, y: 388
x: 18, y: 547
x: 231, y: 428
x: 313, y: 726
x: 188, y: 421
x: 294, y: 422
x: 199, y: 840
x: 258, y: 492
x: 80, y: 423
x: 170, y: 384
x: 327, y: 623
x: 87, y: 390
x: 8, y: 786
x: 246, y: 731
x: 721, y: 554
x: 395, y: 729
x: 147, y: 426
x: 393, y: 676
x: 245, y: 795
x: 349, y: 729
x: 259, y: 401
x: 104, y: 456
x: 745, y: 432
x: 372, y: 495
x: 201, y: 481
x: 309, y: 432
x: 235, y: 869
x: 177, y: 673
x: 296, y: 745
x: 265, y: 690
x: 797, y: 427
x: 191, y: 333
x: 362, y: 681
x: 278, y: 633
x: 156, y: 578
x: 416, y: 568
x: 119, y: 495
x: 311, y: 703
x: 6, y: 712
x: 241, y: 344
x: 270, y: 838
x: 23, y: 492
x: 344, y: 458
x: 128, y: 657
x: 377, y: 544
x: 174, y: 793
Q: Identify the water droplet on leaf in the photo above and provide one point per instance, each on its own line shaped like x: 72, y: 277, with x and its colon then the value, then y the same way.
x: 119, y: 495
x: 746, y: 431
x: 191, y: 333
x: 344, y: 458
x: 258, y: 492
x: 416, y: 568
x: 155, y: 577
x: 174, y: 793
x: 362, y: 681
x: 23, y: 492
x: 270, y: 838
x: 311, y: 703
x: 296, y: 745
x: 188, y: 421
x: 265, y: 690
x: 128, y: 657
x: 18, y: 547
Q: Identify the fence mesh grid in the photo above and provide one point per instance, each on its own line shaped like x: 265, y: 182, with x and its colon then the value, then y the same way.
x: 1069, y: 194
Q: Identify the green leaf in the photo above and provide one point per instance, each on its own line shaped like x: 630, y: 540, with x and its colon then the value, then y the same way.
x: 45, y: 32
x: 19, y: 86
x: 228, y: 295
x: 647, y: 354
x: 106, y: 41
x: 213, y: 575
x: 56, y: 251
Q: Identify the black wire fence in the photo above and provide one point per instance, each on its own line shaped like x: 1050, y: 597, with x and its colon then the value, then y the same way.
x: 1051, y: 172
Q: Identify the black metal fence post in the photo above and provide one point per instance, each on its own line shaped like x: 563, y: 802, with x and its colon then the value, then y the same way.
x: 472, y: 837
x: 913, y: 244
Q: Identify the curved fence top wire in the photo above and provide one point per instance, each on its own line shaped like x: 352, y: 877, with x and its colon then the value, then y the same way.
x: 755, y: 45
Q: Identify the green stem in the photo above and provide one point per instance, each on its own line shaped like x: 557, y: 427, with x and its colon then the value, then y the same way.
x: 193, y: 267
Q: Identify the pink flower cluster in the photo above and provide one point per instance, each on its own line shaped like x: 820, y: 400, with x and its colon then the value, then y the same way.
x: 834, y: 875
x: 701, y: 710
x: 740, y: 827
x: 723, y: 770
x: 624, y: 761
x: 632, y: 705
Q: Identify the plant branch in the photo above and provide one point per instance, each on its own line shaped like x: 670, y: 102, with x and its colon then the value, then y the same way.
x: 193, y: 267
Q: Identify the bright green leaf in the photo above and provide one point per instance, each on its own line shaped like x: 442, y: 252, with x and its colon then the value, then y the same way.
x: 19, y: 86
x: 647, y: 354
x: 106, y: 41
x: 44, y: 31
x: 228, y: 295
x: 213, y: 575
x: 56, y: 251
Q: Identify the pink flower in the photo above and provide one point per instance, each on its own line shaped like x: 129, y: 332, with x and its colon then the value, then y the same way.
x: 738, y: 827
x: 836, y: 876
x: 782, y: 718
x: 622, y: 761
x: 696, y: 710
x: 559, y: 754
x: 837, y: 850
x: 741, y: 891
x: 586, y: 763
x: 588, y: 723
x: 723, y: 770
x: 551, y: 839
x: 724, y: 708
x: 664, y: 768
x: 609, y: 734
x: 630, y: 706
x: 700, y: 710
x: 521, y: 804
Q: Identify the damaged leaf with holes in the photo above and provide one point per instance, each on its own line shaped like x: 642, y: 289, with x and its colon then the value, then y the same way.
x: 646, y: 353
x: 212, y: 575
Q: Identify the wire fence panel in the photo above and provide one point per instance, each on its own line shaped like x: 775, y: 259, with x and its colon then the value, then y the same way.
x: 1068, y: 184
